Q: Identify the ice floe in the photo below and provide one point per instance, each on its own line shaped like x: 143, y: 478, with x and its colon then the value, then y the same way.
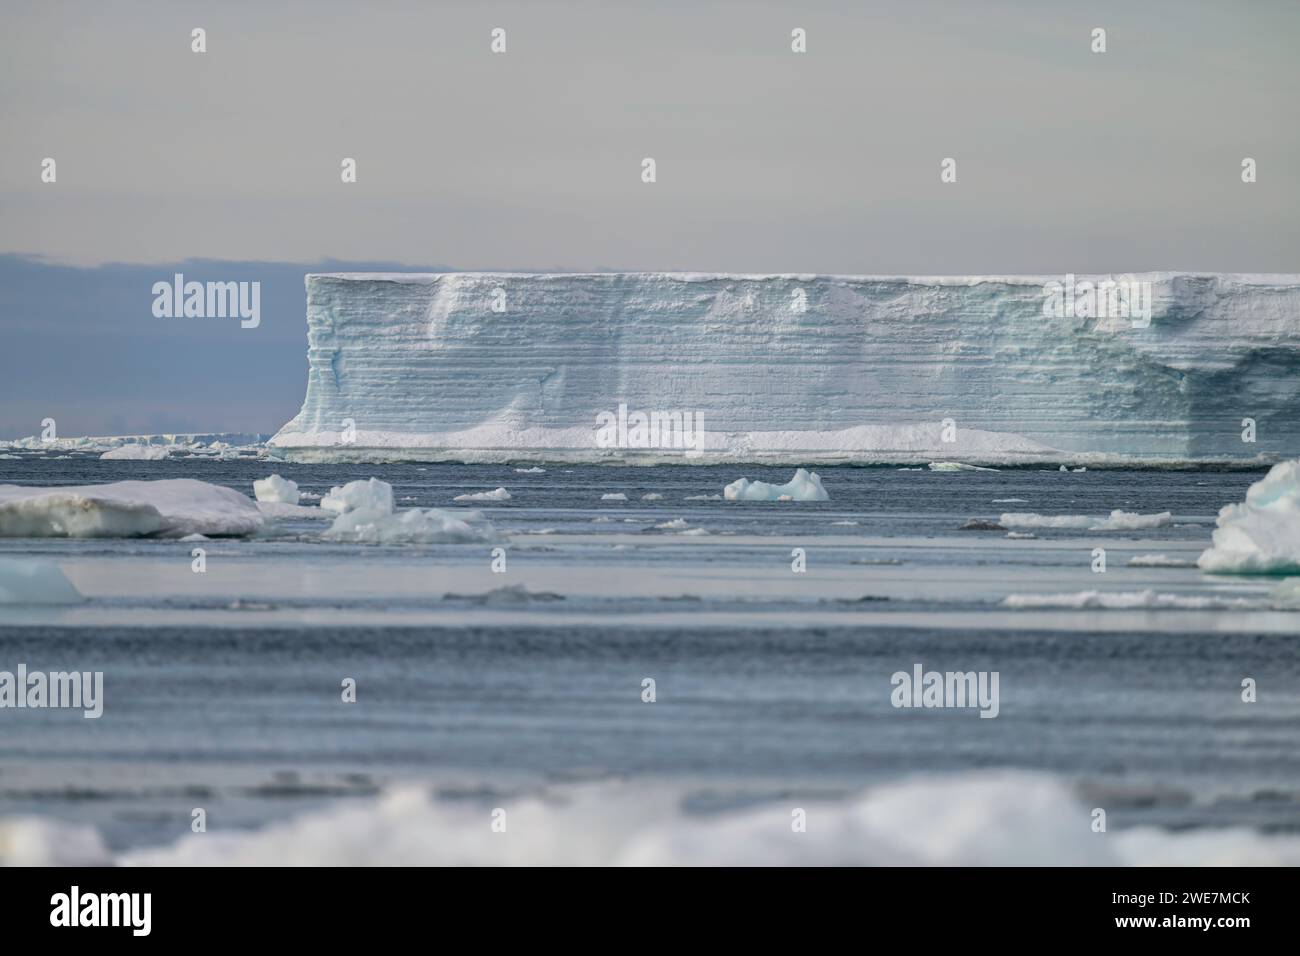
x: 171, y: 507
x: 804, y: 486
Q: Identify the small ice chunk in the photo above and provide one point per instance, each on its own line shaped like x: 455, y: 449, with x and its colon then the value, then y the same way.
x: 499, y: 494
x: 371, y: 495
x: 673, y: 525
x: 617, y: 496
x: 277, y: 489
x: 651, y: 496
x: 804, y: 486
x: 530, y: 471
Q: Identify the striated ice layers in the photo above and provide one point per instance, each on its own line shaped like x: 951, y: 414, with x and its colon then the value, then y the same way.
x: 793, y: 368
x: 1262, y: 534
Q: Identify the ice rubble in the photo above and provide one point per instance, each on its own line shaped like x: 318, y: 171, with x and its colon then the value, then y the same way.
x: 170, y: 508
x: 804, y: 486
x: 987, y: 818
x: 366, y: 515
x: 1262, y: 534
x: 897, y: 353
x: 35, y: 581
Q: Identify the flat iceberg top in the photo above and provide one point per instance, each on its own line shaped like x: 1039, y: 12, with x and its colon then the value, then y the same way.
x: 428, y: 278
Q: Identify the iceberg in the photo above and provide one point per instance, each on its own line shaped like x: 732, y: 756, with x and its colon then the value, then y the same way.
x: 797, y: 369
x: 369, y: 495
x: 171, y: 508
x: 804, y: 486
x: 1262, y: 534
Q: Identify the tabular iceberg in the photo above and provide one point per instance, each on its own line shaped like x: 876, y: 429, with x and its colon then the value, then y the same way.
x: 794, y: 368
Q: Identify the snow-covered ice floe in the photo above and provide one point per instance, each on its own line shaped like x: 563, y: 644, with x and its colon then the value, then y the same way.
x: 169, y: 508
x: 1262, y: 534
x: 956, y: 466
x: 804, y: 486
x: 35, y: 581
x: 855, y: 374
x: 1159, y: 561
x: 989, y: 818
x: 1118, y: 521
x: 365, y: 514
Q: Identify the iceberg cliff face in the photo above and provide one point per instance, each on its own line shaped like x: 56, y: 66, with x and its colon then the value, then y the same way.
x: 651, y: 366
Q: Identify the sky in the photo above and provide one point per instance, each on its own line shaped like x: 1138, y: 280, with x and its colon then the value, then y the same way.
x: 766, y: 161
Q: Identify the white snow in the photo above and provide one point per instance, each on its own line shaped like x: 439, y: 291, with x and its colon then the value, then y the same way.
x: 35, y: 581
x: 500, y: 494
x: 1118, y: 521
x: 277, y: 489
x: 1262, y: 534
x: 804, y: 486
x: 428, y: 371
x: 170, y: 508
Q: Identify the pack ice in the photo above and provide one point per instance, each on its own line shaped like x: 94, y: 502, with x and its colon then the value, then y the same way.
x: 793, y: 368
x: 171, y: 508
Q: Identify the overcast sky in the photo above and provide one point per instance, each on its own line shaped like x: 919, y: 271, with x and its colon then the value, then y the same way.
x: 767, y: 160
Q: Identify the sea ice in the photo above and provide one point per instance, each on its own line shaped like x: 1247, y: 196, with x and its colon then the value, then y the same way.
x: 500, y: 494
x: 369, y: 495
x: 35, y: 581
x: 366, y: 515
x: 171, y: 508
x: 1262, y: 534
x: 137, y: 453
x: 277, y: 489
x: 1118, y: 521
x: 804, y: 486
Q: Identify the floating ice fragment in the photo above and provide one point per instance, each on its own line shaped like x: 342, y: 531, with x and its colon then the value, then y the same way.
x: 804, y: 486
